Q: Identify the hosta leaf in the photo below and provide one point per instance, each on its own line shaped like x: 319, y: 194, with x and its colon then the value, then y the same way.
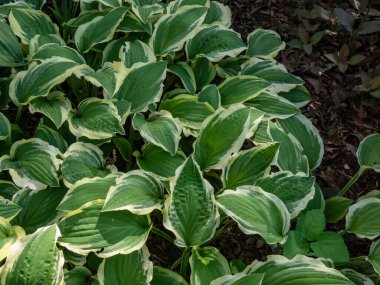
x: 217, y: 12
x: 374, y: 256
x: 336, y: 208
x: 136, y: 192
x: 368, y: 152
x: 356, y: 277
x: 239, y: 89
x: 256, y: 212
x: 137, y: 51
x: 133, y: 268
x: 361, y: 218
x: 83, y: 160
x: 145, y: 9
x: 300, y: 270
x: 261, y: 135
x: 299, y: 96
x: 172, y: 30
x: 331, y: 245
x: 230, y: 66
x: 206, y: 265
x: 294, y: 190
x: 214, y: 42
x: 273, y: 105
x: 39, y: 254
x: 132, y: 24
x: 51, y: 136
x: 55, y: 106
x: 190, y: 211
x: 264, y: 43
x: 246, y: 167
x: 211, y: 95
x: 36, y: 4
x: 295, y: 244
x: 87, y: 190
x: 32, y: 163
x: 185, y: 73
x: 311, y: 223
x: 111, y: 3
x: 38, y: 208
x: 7, y: 189
x: 40, y: 40
x: 57, y: 50
x: 107, y: 234
x: 153, y: 157
x: 175, y: 5
x: 8, y: 209
x: 101, y: 29
x: 308, y: 136
x: 11, y: 53
x: 8, y: 236
x: 159, y: 129
x: 165, y: 276
x: 204, y: 71
x: 221, y: 135
x: 38, y: 80
x: 5, y: 127
x: 95, y: 119
x: 239, y: 279
x: 78, y: 275
x: 26, y: 23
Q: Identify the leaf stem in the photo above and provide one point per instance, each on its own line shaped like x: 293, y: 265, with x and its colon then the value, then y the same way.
x: 176, y: 264
x: 162, y: 234
x: 184, y: 262
x: 19, y: 112
x: 352, y: 181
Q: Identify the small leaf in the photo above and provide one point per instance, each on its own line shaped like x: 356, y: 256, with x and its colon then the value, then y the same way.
x: 336, y: 208
x: 356, y: 59
x: 311, y: 224
x: 331, y: 245
x: 264, y: 43
x: 368, y: 152
x: 163, y: 276
x: 345, y: 18
x: 295, y: 244
x: 374, y: 255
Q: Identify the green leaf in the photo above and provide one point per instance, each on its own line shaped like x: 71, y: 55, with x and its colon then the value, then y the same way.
x: 246, y: 167
x: 32, y: 163
x: 331, y: 245
x: 77, y: 276
x: 101, y: 29
x: 87, y: 190
x: 38, y: 208
x: 133, y: 268
x: 185, y: 73
x: 163, y: 276
x: 57, y: 50
x: 374, y: 255
x: 239, y: 279
x: 83, y: 160
x: 279, y: 270
x: 294, y: 190
x: 299, y: 96
x: 5, y: 127
x: 217, y: 12
x: 308, y: 136
x: 214, y: 42
x: 211, y: 95
x: 204, y: 71
x: 8, y: 209
x: 39, y: 254
x: 361, y: 218
x: 336, y: 208
x: 190, y: 211
x: 137, y: 51
x: 230, y: 66
x: 7, y: 189
x: 159, y: 129
x: 207, y: 264
x: 9, y: 235
x: 55, y: 106
x: 38, y: 80
x: 136, y: 192
x: 11, y: 52
x: 51, y: 136
x: 172, y: 30
x: 264, y: 43
x: 295, y: 244
x: 221, y: 135
x: 256, y: 212
x: 107, y: 234
x: 368, y: 152
x: 40, y: 40
x: 26, y: 23
x: 311, y: 224
x: 95, y: 119
x: 153, y: 157
x: 131, y: 23
x: 238, y: 89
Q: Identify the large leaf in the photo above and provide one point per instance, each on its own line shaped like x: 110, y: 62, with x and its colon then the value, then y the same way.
x: 107, y: 234
x: 136, y: 51
x: 311, y: 223
x: 27, y: 23
x: 207, y: 264
x: 190, y: 212
x: 136, y: 192
x: 101, y: 29
x: 38, y: 254
x: 51, y: 136
x: 368, y: 152
x: 8, y: 209
x: 11, y: 53
x: 221, y: 135
x: 214, y: 42
x: 362, y: 220
x: 246, y: 167
x: 133, y: 268
x: 159, y: 129
x: 7, y: 189
x: 95, y: 119
x: 172, y: 30
x: 204, y: 71
x: 239, y: 89
x: 257, y: 212
x: 300, y: 270
x: 336, y: 208
x: 185, y: 73
x: 55, y: 106
x: 217, y: 12
x: 32, y: 163
x: 38, y: 80
x: 8, y: 236
x: 374, y: 255
x: 54, y: 49
x: 165, y: 276
x: 295, y: 244
x: 239, y: 279
x: 83, y: 160
x: 5, y: 127
x: 264, y: 43
x: 331, y: 245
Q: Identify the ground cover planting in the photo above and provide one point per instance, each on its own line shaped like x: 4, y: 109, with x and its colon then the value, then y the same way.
x: 126, y: 124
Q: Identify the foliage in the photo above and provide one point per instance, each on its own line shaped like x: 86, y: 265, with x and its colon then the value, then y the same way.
x: 146, y: 111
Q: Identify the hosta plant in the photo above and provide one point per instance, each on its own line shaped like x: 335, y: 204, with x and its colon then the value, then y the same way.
x: 127, y: 119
